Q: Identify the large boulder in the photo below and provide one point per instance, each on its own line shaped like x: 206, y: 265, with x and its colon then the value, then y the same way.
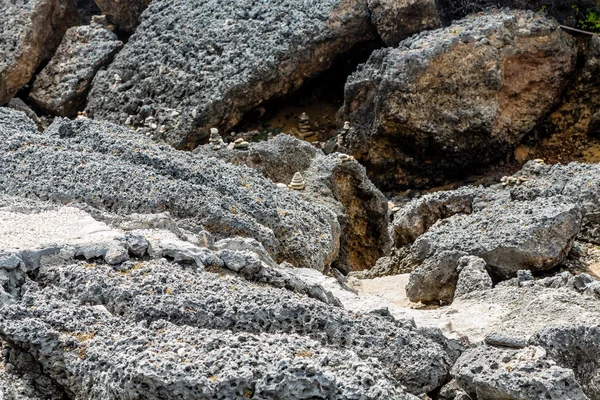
x: 396, y: 20
x: 30, y: 31
x: 108, y: 167
x: 343, y: 187
x: 62, y: 86
x: 124, y: 14
x: 494, y: 373
x: 192, y: 66
x: 535, y: 235
x: 447, y: 100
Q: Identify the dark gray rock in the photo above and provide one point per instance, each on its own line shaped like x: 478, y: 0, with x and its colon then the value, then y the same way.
x: 512, y: 236
x: 491, y: 373
x: 472, y: 276
x: 401, y: 261
x: 575, y: 346
x: 397, y: 20
x: 190, y: 67
x: 108, y: 168
x: 62, y: 86
x: 445, y: 101
x: 30, y: 31
x: 436, y: 278
x: 19, y: 105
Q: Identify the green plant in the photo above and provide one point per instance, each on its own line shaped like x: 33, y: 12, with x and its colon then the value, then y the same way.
x: 588, y: 21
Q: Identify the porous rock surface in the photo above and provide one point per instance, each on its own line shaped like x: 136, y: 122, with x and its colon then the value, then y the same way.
x: 124, y: 14
x: 446, y: 100
x: 472, y: 276
x: 107, y: 167
x: 396, y: 20
x: 30, y: 31
x: 344, y: 187
x: 190, y: 67
x: 62, y: 86
x: 494, y: 373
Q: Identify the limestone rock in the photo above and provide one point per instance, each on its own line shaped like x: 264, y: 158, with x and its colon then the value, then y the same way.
x: 105, y: 167
x: 343, y: 187
x: 30, y: 31
x: 435, y: 279
x: 397, y: 20
x: 124, y: 14
x: 472, y: 276
x: 19, y: 105
x: 197, y: 66
x: 487, y: 372
x: 535, y: 235
x: 445, y: 101
x: 62, y: 86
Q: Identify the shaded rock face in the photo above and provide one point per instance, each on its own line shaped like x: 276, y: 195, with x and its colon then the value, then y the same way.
x: 493, y: 373
x: 447, y: 100
x: 397, y: 20
x: 533, y: 235
x: 472, y: 276
x: 124, y: 14
x: 62, y: 86
x: 192, y: 67
x: 30, y: 31
x: 435, y: 279
x: 104, y: 166
x: 343, y: 187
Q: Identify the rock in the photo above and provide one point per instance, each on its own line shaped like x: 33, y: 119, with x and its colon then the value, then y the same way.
x: 534, y: 235
x: 415, y: 218
x: 19, y: 105
x: 575, y: 346
x: 490, y: 373
x: 212, y: 63
x: 297, y: 182
x: 472, y: 276
x: 124, y: 14
x: 136, y: 244
x: 87, y: 9
x: 504, y: 339
x: 30, y: 32
x: 342, y: 187
x: 436, y: 278
x: 62, y: 86
x: 105, y: 167
x: 578, y: 182
x: 400, y: 261
x: 397, y: 20
x: 444, y: 101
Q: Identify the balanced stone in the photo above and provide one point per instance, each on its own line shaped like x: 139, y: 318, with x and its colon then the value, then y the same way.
x: 345, y: 157
x: 240, y: 144
x: 297, y: 182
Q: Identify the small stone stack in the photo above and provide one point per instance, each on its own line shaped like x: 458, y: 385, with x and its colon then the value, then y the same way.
x: 304, y: 129
x: 240, y: 144
x: 344, y: 158
x: 297, y: 182
x: 215, y: 139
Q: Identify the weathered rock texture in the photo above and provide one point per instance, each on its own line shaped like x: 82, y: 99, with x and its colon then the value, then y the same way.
x: 124, y: 14
x: 62, y: 86
x: 500, y: 374
x: 361, y: 208
x: 30, y: 31
x: 396, y: 20
x: 450, y: 99
x: 107, y: 167
x: 191, y: 67
x: 472, y: 276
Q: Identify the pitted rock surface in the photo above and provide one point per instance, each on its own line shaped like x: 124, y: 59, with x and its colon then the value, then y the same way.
x: 30, y: 31
x: 124, y: 14
x: 446, y: 100
x: 107, y: 167
x: 62, y: 86
x: 191, y: 67
x: 361, y: 208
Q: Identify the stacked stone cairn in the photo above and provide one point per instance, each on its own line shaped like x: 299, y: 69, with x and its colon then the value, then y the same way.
x: 215, y: 139
x: 239, y: 144
x: 297, y: 182
x: 304, y: 129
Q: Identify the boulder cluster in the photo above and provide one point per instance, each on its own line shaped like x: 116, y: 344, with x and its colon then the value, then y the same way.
x: 148, y: 252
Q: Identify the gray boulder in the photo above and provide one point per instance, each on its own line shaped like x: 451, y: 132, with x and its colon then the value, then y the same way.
x: 472, y: 276
x: 30, y: 31
x: 491, y: 373
x: 343, y: 187
x: 446, y: 100
x: 435, y: 279
x: 106, y: 167
x: 397, y: 20
x: 193, y: 66
x: 534, y: 235
x: 62, y: 86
